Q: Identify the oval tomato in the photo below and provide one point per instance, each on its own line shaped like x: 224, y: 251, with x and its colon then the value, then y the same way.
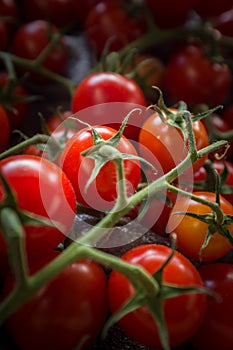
x: 183, y: 314
x: 73, y: 305
x: 163, y: 144
x: 192, y: 77
x: 5, y: 129
x: 32, y: 38
x: 43, y: 189
x: 191, y: 232
x: 215, y: 332
x: 102, y: 192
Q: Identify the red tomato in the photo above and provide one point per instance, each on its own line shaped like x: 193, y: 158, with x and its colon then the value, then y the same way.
x: 215, y: 331
x: 102, y: 192
x: 5, y: 129
x: 163, y: 145
x: 72, y: 305
x: 191, y: 232
x: 16, y: 111
x: 192, y: 77
x: 167, y: 14
x: 183, y: 314
x: 108, y: 21
x: 105, y: 87
x: 200, y: 175
x: 206, y: 8
x: 43, y: 189
x: 32, y: 37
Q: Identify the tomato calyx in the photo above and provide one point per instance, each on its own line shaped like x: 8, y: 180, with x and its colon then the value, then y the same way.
x: 154, y: 299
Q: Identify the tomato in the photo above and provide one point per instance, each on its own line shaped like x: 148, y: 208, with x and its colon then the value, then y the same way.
x: 219, y: 165
x: 105, y: 87
x: 16, y: 111
x: 5, y: 129
x: 191, y: 232
x: 192, y: 77
x: 107, y: 23
x: 32, y: 37
x: 206, y: 8
x: 215, y: 331
x: 163, y: 145
x: 43, y: 189
x: 167, y: 14
x: 102, y: 192
x: 72, y: 305
x: 183, y: 314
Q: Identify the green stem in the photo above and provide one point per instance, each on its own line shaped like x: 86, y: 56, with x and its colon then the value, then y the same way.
x: 122, y: 199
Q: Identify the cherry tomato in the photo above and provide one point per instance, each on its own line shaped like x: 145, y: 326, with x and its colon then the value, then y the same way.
x: 72, y: 305
x: 215, y: 331
x: 219, y: 165
x: 30, y: 40
x: 105, y: 87
x: 102, y: 192
x: 16, y: 111
x: 108, y: 21
x: 43, y: 189
x: 167, y: 14
x: 206, y: 8
x: 191, y: 232
x: 183, y: 314
x: 192, y: 77
x: 163, y: 144
x: 5, y: 129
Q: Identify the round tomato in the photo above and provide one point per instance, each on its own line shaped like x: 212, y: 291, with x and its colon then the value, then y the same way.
x: 102, y: 192
x: 16, y: 111
x: 215, y: 331
x: 183, y: 314
x: 68, y: 312
x: 108, y: 21
x: 192, y: 77
x: 32, y: 38
x: 5, y: 129
x: 105, y: 87
x: 192, y: 232
x: 43, y: 189
x: 163, y: 145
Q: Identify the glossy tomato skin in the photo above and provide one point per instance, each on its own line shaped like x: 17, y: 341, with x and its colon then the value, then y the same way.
x: 43, y: 189
x: 5, y: 129
x: 108, y: 24
x: 66, y: 313
x: 192, y: 77
x: 32, y: 37
x: 215, y: 331
x: 163, y: 144
x: 101, y: 194
x: 183, y: 314
x: 191, y: 232
x: 17, y: 111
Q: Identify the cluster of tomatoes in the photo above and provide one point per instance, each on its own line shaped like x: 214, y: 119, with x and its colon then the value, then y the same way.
x: 72, y: 165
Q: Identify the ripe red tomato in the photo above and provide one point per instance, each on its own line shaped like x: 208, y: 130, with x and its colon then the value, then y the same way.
x: 191, y: 232
x: 105, y: 87
x: 190, y: 76
x: 183, y: 314
x: 16, y: 111
x: 68, y: 312
x: 5, y: 129
x: 215, y: 332
x: 102, y: 192
x: 32, y: 37
x: 43, y: 189
x: 206, y: 8
x: 163, y: 145
x: 218, y: 165
x: 108, y: 21
x: 167, y: 14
